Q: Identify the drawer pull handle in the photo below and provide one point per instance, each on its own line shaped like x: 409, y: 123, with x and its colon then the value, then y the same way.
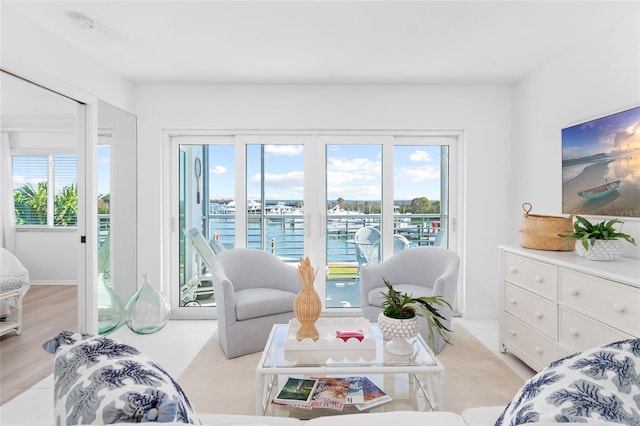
x: 573, y: 332
x: 513, y: 269
x: 618, y: 308
x: 538, y: 314
x: 538, y: 279
x: 538, y: 349
x: 512, y: 332
x: 512, y: 301
x: 573, y: 291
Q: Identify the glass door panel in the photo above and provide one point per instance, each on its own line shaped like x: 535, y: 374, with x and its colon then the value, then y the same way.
x: 420, y: 194
x: 275, y: 199
x: 206, y: 182
x: 103, y: 173
x: 353, y: 220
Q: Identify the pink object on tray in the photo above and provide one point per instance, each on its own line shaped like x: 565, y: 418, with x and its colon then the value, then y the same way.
x: 346, y: 335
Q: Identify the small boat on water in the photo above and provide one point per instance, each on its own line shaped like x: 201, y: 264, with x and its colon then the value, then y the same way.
x: 600, y: 191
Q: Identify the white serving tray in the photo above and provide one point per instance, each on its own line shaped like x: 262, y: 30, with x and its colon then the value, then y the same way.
x: 327, y: 340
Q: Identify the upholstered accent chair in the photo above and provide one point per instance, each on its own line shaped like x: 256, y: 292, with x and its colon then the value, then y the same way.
x: 254, y: 290
x: 417, y: 271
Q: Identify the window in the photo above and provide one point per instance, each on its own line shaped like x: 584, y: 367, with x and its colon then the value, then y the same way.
x: 45, y: 190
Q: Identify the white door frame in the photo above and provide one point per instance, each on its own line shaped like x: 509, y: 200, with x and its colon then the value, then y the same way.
x: 314, y: 210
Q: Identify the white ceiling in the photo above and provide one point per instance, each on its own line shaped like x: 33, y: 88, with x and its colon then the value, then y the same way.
x: 313, y: 42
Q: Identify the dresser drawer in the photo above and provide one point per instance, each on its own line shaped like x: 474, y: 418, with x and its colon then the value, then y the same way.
x: 534, y: 310
x: 538, y: 277
x: 578, y: 332
x: 527, y: 343
x: 609, y: 302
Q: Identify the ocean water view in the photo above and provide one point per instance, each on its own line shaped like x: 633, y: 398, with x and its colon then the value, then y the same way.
x: 281, y: 230
x: 616, y: 178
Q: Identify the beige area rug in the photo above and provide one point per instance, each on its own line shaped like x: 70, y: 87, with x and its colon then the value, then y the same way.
x: 474, y: 377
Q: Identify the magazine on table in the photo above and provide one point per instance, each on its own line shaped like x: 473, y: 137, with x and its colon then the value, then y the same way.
x: 296, y: 391
x: 356, y: 394
x: 330, y: 393
x: 373, y: 395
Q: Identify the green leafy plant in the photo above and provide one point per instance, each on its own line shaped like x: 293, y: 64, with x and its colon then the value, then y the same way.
x: 402, y: 306
x: 588, y: 233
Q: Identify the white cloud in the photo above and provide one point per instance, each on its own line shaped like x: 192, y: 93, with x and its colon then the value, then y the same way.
x: 284, y: 180
x: 422, y: 156
x: 218, y: 170
x: 290, y: 150
x: 418, y: 174
x: 19, y: 181
x: 291, y: 182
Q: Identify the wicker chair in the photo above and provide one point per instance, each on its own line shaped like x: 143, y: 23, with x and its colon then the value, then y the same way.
x: 14, y: 283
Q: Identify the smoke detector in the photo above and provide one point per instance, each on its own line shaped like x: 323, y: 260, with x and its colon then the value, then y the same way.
x: 81, y: 21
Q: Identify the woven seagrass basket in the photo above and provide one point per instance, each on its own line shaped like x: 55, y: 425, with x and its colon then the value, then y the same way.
x: 540, y: 232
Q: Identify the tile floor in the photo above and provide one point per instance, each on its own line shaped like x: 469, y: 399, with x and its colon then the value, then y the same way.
x: 174, y: 347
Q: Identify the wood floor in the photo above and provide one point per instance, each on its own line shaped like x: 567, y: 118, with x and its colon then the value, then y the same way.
x: 47, y: 309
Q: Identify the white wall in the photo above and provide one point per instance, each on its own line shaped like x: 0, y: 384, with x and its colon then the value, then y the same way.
x: 482, y: 112
x: 600, y: 76
x: 51, y: 257
x: 33, y: 52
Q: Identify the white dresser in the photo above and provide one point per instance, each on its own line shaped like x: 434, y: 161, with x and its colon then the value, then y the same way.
x: 556, y: 303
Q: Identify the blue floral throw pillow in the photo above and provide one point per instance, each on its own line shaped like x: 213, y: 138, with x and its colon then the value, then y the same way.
x: 598, y: 385
x: 98, y: 380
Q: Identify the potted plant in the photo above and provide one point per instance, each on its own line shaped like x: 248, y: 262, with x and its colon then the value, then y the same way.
x: 599, y: 241
x: 399, y: 321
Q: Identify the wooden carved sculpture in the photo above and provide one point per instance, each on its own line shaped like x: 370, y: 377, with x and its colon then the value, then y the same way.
x: 307, y: 304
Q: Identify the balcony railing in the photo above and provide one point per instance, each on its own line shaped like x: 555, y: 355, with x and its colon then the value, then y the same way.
x: 283, y: 235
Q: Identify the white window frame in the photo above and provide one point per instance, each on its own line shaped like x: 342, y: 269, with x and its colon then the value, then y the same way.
x: 50, y: 185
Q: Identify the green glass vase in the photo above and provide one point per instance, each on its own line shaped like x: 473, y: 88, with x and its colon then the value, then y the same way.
x: 148, y: 310
x: 110, y: 309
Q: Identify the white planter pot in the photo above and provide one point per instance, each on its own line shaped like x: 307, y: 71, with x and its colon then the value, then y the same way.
x: 602, y: 250
x: 398, y: 330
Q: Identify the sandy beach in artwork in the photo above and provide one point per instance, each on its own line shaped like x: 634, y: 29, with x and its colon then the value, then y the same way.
x: 623, y: 202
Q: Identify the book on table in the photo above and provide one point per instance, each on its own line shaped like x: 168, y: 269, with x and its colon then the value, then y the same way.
x: 296, y: 391
x: 373, y: 395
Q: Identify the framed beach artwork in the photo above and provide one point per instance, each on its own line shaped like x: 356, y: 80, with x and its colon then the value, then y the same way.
x: 601, y: 165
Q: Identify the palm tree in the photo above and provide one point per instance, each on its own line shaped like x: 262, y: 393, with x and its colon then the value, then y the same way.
x: 65, y: 211
x: 31, y: 204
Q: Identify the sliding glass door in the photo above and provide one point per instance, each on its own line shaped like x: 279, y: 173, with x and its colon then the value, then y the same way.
x: 344, y: 200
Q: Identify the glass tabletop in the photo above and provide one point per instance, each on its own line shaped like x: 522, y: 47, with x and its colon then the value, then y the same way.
x: 276, y: 356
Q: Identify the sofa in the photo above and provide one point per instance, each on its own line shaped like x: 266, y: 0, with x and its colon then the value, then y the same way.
x: 486, y: 415
x: 98, y: 380
x: 477, y: 416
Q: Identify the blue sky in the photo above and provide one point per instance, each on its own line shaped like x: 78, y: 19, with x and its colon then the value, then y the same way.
x: 614, y: 134
x: 103, y: 169
x: 33, y: 169
x: 353, y: 172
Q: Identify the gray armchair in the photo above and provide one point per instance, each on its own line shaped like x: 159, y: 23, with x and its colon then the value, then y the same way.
x: 417, y: 271
x: 254, y: 290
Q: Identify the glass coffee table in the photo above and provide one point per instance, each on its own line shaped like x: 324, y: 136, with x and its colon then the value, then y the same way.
x: 415, y: 382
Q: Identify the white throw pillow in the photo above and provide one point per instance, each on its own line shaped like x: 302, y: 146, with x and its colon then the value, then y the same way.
x: 599, y: 384
x: 98, y: 380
